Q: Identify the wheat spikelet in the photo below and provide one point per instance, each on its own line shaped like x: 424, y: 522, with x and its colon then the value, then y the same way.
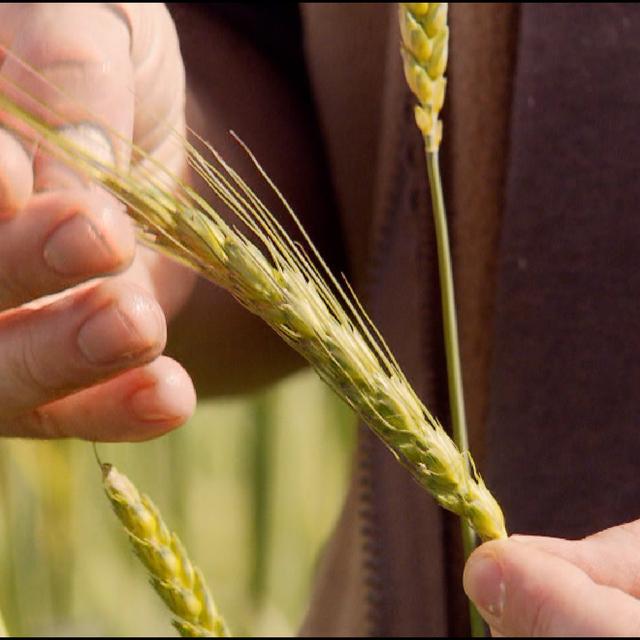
x: 172, y: 575
x: 425, y: 48
x: 295, y: 293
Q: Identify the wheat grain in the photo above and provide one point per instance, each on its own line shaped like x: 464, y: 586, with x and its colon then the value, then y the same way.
x: 172, y: 575
x: 296, y: 294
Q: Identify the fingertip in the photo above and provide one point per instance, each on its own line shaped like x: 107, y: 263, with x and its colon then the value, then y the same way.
x: 483, y: 580
x: 123, y: 325
x: 16, y: 176
x: 166, y: 400
x: 137, y: 405
x: 52, y: 173
x: 94, y: 238
x: 118, y: 229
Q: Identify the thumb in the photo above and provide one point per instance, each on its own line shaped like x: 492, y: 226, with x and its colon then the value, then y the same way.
x: 522, y: 591
x: 80, y: 67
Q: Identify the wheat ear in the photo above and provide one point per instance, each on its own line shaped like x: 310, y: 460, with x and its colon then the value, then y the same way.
x: 179, y: 584
x: 295, y: 293
x: 425, y: 49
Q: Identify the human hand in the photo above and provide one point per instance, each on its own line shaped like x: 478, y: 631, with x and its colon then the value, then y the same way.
x: 86, y: 364
x: 537, y: 586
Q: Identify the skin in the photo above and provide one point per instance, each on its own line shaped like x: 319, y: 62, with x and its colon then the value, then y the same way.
x: 538, y: 586
x: 58, y: 233
x: 84, y: 310
x: 72, y: 364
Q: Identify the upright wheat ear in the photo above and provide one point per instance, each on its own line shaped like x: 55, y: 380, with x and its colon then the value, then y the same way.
x: 172, y: 575
x: 425, y: 49
x: 424, y: 45
x: 292, y: 290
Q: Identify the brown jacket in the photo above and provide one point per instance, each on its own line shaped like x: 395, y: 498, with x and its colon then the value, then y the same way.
x: 540, y: 160
x: 541, y: 167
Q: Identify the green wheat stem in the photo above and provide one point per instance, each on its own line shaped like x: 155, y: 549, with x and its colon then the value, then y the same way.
x: 452, y: 350
x: 449, y: 317
x: 425, y: 48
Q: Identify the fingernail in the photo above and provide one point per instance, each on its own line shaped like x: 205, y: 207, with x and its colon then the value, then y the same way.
x: 484, y: 583
x: 92, y: 140
x: 88, y: 143
x: 76, y: 247
x: 123, y: 331
x: 168, y: 396
x: 53, y: 175
x: 149, y: 405
x: 87, y: 246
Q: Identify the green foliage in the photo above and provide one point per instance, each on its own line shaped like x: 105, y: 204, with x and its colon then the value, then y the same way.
x: 65, y: 568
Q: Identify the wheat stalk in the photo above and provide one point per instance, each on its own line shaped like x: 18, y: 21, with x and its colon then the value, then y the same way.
x: 296, y: 294
x: 424, y: 46
x: 179, y: 584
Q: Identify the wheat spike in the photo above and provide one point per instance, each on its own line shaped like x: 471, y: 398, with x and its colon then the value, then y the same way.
x: 425, y: 49
x: 295, y: 293
x: 172, y: 575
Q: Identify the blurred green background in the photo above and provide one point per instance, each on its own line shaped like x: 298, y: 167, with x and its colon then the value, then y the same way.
x: 252, y: 486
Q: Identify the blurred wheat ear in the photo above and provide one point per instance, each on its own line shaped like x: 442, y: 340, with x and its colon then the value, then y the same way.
x: 180, y: 585
x: 288, y: 285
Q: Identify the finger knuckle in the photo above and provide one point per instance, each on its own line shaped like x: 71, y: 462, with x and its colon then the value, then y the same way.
x: 27, y: 368
x: 9, y: 294
x: 38, y: 423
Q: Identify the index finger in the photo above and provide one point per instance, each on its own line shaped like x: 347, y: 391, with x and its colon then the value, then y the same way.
x: 610, y: 557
